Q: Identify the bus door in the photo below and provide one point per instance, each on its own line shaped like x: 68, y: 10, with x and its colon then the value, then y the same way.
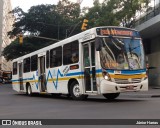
x: 41, y: 73
x: 89, y: 67
x: 20, y: 69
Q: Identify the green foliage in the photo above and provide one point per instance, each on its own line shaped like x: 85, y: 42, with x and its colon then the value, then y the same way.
x: 127, y: 10
x: 15, y: 50
x: 46, y: 20
x: 115, y: 12
x: 102, y: 14
x: 51, y: 21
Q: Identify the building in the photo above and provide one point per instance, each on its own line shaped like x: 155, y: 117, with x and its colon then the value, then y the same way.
x: 6, y: 21
x: 149, y: 26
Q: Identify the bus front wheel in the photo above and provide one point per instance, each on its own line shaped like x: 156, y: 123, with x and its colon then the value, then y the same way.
x: 111, y: 96
x: 75, y: 92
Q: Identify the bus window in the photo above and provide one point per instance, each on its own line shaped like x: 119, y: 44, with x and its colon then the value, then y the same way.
x: 34, y: 62
x: 71, y: 53
x: 14, y: 68
x: 56, y: 57
x: 26, y: 65
x: 74, y: 58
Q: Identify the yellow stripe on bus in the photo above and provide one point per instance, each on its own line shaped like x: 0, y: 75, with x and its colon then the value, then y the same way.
x: 128, y: 76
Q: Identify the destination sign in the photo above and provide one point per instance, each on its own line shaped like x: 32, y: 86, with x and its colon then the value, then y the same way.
x: 117, y: 32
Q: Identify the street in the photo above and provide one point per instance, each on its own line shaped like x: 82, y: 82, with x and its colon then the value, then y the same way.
x: 21, y: 106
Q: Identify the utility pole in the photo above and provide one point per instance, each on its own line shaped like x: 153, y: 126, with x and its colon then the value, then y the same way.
x: 58, y: 30
x: 154, y: 8
x: 66, y: 33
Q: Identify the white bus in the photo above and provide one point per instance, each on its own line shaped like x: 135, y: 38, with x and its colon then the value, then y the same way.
x: 100, y: 61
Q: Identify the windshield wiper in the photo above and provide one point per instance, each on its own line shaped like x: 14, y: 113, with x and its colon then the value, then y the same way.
x: 134, y: 48
x: 116, y: 39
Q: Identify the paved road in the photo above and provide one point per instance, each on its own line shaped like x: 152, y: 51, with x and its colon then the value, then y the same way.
x: 20, y: 106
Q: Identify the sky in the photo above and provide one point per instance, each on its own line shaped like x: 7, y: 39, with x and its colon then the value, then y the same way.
x: 26, y: 4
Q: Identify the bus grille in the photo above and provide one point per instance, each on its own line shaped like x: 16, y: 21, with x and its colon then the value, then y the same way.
x: 127, y: 81
x: 136, y: 80
x: 121, y: 81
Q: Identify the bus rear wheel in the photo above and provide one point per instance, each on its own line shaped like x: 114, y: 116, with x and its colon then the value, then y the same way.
x: 75, y: 92
x: 29, y: 90
x: 111, y: 96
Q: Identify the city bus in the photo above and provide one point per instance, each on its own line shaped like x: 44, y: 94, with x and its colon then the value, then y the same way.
x: 105, y: 60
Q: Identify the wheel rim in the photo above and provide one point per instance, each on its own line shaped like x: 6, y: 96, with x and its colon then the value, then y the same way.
x: 76, y: 90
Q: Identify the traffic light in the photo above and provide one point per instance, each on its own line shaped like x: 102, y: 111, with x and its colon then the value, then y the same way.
x: 84, y: 25
x: 20, y: 39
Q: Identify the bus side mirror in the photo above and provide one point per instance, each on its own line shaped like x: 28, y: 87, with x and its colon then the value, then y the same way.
x: 98, y: 44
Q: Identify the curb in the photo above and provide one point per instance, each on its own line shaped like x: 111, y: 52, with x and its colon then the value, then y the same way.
x: 142, y: 95
x: 154, y: 96
x: 156, y: 87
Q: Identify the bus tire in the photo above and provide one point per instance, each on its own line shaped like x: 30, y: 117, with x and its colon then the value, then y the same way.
x: 111, y: 96
x: 29, y: 90
x: 75, y: 92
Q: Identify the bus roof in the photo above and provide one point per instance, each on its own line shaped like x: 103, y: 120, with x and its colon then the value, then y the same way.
x: 78, y: 36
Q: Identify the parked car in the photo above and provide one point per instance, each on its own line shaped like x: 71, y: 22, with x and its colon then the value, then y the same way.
x: 6, y: 77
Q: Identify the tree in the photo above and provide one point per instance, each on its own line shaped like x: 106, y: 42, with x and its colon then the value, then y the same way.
x: 46, y: 20
x: 115, y: 12
x: 59, y: 21
x: 128, y: 10
x: 40, y: 20
x: 70, y: 13
x: 51, y: 21
x: 15, y: 50
x: 102, y: 14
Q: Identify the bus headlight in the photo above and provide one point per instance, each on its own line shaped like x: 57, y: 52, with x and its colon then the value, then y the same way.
x: 106, y: 76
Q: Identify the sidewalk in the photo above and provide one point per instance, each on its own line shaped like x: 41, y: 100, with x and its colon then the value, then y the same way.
x: 151, y: 93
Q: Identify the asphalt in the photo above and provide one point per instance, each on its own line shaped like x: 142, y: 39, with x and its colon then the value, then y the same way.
x: 152, y: 92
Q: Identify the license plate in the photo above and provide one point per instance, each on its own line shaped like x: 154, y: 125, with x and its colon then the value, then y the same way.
x: 131, y: 87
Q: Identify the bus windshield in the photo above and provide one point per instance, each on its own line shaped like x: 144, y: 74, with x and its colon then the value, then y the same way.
x: 122, y: 53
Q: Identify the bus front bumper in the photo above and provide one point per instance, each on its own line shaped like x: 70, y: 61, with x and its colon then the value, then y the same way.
x: 111, y: 87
